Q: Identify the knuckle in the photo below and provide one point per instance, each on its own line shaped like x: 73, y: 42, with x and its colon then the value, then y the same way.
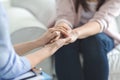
x: 51, y: 29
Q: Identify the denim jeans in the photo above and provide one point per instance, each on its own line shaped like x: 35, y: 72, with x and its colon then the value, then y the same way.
x: 94, y: 51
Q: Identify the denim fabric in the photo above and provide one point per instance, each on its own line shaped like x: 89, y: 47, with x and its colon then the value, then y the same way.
x: 94, y: 51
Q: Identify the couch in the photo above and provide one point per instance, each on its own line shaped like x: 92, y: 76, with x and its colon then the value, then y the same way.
x: 38, y: 14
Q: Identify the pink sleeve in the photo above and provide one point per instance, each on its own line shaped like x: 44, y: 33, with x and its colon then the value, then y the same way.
x: 65, y: 10
x: 106, y: 13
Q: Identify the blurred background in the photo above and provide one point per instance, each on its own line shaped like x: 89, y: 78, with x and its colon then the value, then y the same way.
x: 28, y: 20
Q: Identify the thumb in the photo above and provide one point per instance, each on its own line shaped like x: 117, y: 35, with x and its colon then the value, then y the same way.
x: 63, y: 41
x: 67, y: 39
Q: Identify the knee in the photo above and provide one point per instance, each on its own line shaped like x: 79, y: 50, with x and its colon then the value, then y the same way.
x: 104, y: 41
x: 99, y: 41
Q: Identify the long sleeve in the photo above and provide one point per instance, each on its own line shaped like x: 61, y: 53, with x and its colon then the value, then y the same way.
x: 11, y: 65
x: 108, y: 11
x: 65, y: 10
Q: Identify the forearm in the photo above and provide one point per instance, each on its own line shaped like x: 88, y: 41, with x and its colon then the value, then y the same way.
x: 89, y: 29
x: 40, y: 55
x: 26, y: 46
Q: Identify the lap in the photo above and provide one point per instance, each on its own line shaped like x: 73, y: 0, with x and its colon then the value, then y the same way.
x: 100, y: 43
x: 97, y: 44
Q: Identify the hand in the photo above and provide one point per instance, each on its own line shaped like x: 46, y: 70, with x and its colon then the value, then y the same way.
x: 73, y: 37
x: 64, y: 29
x: 58, y: 43
x: 48, y: 36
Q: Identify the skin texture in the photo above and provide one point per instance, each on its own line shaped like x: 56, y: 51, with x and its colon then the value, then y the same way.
x: 51, y: 41
x: 84, y: 31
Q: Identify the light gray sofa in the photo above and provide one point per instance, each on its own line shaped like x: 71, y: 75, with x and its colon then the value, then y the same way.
x: 43, y: 10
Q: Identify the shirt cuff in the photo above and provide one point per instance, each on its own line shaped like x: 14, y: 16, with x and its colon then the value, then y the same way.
x: 26, y: 62
x: 65, y: 21
x: 103, y: 24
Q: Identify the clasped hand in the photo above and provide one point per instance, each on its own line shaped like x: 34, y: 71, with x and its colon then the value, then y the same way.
x: 58, y: 36
x: 64, y: 31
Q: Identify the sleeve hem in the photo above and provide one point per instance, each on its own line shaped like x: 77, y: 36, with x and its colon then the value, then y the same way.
x: 102, y: 23
x: 26, y: 62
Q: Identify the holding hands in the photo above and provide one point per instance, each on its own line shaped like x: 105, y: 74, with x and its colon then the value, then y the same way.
x: 60, y: 35
x: 65, y: 31
x: 54, y: 37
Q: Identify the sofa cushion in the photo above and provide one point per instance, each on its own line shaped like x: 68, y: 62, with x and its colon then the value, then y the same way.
x: 114, y: 60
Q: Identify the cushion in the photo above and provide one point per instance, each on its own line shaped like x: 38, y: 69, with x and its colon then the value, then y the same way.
x: 114, y: 60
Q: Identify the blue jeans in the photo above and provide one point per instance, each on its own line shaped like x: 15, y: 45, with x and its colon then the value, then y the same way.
x: 94, y: 51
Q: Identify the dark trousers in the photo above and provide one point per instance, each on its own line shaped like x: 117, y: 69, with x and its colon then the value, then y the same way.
x: 94, y: 51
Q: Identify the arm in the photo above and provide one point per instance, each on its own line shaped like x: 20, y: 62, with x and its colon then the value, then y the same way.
x: 16, y: 65
x: 101, y: 20
x: 12, y: 65
x: 89, y: 29
x: 25, y: 47
x: 45, y: 52
x: 107, y: 12
x: 30, y: 45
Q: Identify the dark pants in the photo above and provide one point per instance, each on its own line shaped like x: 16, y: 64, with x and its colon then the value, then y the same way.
x: 94, y: 51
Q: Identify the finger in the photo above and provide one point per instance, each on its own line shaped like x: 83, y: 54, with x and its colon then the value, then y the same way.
x: 64, y: 41
x: 53, y: 40
x: 67, y: 27
x: 52, y: 36
x: 61, y: 28
x: 63, y: 32
x: 64, y: 25
x: 51, y: 30
x: 56, y: 37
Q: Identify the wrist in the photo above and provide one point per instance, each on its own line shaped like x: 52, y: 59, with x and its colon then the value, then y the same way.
x: 39, y: 42
x: 76, y: 33
x: 52, y: 48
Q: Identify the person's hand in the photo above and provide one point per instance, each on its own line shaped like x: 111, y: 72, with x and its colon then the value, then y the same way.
x: 72, y: 37
x: 48, y: 36
x: 57, y: 44
x: 64, y: 28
